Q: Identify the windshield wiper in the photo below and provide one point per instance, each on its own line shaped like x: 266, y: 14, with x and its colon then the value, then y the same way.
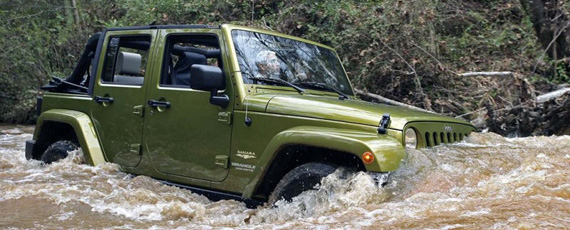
x: 279, y: 81
x: 326, y: 87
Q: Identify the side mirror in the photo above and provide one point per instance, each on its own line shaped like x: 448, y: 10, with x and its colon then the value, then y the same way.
x: 209, y: 78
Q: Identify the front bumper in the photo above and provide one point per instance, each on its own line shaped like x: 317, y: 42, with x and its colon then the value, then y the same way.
x: 30, y: 148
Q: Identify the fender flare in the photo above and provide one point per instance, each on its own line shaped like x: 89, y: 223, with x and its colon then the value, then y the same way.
x: 387, y: 150
x: 83, y: 128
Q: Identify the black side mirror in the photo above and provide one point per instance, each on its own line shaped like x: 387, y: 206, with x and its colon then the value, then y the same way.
x: 209, y: 78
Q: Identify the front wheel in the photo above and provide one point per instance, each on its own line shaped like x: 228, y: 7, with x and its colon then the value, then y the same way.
x: 57, y: 151
x: 300, y: 179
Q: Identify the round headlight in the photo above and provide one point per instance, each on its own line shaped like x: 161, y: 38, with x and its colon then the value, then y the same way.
x: 410, y: 138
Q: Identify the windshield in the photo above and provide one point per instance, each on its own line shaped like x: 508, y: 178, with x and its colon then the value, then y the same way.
x: 267, y: 56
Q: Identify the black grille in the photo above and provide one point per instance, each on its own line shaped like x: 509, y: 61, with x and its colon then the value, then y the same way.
x: 433, y: 139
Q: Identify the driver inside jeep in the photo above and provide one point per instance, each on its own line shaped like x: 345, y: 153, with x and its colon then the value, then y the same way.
x: 268, y: 65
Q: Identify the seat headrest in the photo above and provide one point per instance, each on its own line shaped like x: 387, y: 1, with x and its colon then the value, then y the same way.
x: 187, y: 59
x: 128, y: 64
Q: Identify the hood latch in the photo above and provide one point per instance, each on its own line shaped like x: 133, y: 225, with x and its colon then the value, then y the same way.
x: 384, y: 123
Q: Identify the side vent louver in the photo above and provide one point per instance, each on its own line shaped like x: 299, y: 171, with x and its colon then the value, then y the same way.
x: 435, y: 141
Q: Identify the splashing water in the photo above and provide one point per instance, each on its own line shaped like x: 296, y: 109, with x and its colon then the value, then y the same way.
x: 485, y: 182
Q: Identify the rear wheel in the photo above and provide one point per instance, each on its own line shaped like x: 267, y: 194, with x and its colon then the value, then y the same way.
x: 300, y: 179
x: 57, y: 151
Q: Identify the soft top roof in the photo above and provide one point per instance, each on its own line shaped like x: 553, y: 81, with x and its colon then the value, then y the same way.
x: 162, y: 27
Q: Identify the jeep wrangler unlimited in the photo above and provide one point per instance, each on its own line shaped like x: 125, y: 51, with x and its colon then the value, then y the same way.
x: 228, y: 111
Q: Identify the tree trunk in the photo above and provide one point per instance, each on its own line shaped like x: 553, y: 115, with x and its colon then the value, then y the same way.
x: 550, y: 24
x: 68, y: 13
x: 76, y: 13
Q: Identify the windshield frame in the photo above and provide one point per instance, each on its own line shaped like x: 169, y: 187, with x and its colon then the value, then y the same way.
x: 341, y: 72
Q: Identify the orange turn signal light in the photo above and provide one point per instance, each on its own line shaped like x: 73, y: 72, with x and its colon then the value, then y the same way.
x: 367, y: 157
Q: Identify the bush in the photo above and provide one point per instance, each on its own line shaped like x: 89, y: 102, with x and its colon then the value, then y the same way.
x: 405, y: 50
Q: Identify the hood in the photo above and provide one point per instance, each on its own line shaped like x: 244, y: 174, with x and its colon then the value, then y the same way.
x: 353, y: 111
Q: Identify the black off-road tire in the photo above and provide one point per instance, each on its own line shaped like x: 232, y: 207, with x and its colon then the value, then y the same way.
x: 57, y: 151
x: 300, y: 179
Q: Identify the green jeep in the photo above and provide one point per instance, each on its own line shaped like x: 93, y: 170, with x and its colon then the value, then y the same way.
x: 228, y: 111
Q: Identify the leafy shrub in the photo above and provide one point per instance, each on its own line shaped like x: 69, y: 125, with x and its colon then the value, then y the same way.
x: 410, y: 51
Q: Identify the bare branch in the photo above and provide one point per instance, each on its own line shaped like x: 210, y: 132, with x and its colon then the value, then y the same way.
x: 427, y: 103
x: 486, y: 74
x: 390, y: 102
x: 554, y: 94
x: 550, y: 44
x: 429, y: 54
x: 469, y: 113
x: 398, y: 54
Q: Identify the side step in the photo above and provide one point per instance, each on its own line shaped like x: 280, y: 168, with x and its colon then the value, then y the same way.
x: 216, y: 196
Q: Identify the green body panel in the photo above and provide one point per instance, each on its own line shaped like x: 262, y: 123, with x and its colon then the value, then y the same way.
x: 118, y: 127
x: 185, y: 139
x: 83, y: 128
x: 196, y: 143
x: 388, y: 152
x: 354, y: 111
x: 75, y: 102
x: 254, y: 142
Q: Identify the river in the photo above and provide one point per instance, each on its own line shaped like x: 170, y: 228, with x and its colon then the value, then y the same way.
x: 484, y: 182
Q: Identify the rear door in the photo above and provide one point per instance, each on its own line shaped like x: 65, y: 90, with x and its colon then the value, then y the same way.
x: 184, y: 134
x: 119, y: 94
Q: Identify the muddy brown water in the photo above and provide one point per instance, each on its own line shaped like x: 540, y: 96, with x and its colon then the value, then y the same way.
x: 485, y: 182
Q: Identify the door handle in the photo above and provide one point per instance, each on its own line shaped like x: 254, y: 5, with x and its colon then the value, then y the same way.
x: 100, y: 99
x: 155, y: 104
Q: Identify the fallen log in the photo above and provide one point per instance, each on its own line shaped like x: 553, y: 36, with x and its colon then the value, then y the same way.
x: 554, y: 94
x: 390, y: 102
x: 486, y: 74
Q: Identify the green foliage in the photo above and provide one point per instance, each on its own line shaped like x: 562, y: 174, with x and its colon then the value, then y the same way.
x: 390, y: 47
x: 28, y: 41
x: 561, y: 75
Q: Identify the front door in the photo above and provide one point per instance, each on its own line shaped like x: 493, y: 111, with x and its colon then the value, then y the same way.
x: 119, y: 94
x: 184, y: 134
